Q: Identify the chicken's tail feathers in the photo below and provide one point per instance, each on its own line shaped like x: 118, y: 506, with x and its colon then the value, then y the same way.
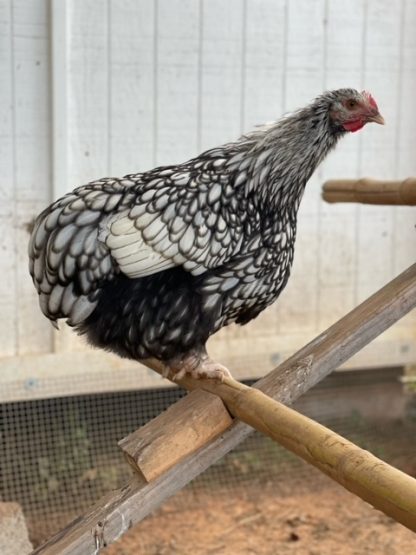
x: 67, y: 261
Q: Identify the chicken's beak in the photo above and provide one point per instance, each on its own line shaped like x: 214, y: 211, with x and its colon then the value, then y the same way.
x: 378, y: 118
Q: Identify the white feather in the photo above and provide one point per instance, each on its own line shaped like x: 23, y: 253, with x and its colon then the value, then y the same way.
x: 117, y: 241
x: 163, y: 265
x: 144, y: 265
x: 125, y: 250
x: 134, y: 257
x: 152, y: 230
x: 121, y: 226
x: 187, y: 241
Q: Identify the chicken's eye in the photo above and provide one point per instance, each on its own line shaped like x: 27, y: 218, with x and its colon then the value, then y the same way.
x: 351, y: 103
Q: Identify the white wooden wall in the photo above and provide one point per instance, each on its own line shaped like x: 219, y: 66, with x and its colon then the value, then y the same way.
x: 107, y: 87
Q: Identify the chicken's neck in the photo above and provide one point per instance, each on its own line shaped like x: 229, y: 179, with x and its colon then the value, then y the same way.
x: 281, y: 157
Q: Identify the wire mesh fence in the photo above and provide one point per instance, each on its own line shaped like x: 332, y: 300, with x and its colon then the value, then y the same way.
x: 60, y: 455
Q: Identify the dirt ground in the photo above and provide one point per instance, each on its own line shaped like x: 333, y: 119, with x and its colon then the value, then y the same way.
x: 330, y: 521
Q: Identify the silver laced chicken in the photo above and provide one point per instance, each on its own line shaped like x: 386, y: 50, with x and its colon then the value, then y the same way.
x: 152, y: 264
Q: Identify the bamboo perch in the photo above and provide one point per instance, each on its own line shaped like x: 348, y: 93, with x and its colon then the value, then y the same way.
x: 371, y: 191
x: 376, y: 482
x: 116, y: 512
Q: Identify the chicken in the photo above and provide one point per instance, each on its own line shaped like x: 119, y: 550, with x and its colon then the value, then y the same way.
x: 152, y: 264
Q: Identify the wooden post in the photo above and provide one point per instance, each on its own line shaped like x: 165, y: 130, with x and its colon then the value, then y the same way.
x: 114, y: 514
x: 176, y: 433
x: 371, y: 191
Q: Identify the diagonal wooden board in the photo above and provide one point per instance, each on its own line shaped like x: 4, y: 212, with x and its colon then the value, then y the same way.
x: 115, y: 513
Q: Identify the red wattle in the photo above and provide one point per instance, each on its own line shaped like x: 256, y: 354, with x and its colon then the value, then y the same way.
x: 354, y: 125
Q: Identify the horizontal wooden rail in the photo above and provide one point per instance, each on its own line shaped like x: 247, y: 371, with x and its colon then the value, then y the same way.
x: 112, y: 515
x: 371, y: 191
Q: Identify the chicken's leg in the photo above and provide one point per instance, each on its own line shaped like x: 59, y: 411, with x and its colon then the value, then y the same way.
x: 197, y: 364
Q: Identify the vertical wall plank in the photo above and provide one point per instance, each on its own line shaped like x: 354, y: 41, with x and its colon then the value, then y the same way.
x: 88, y: 105
x: 220, y: 72
x: 305, y: 44
x: 404, y: 244
x: 177, y: 59
x: 132, y: 86
x: 265, y: 50
x: 31, y: 55
x: 88, y: 88
x: 343, y: 68
x: 32, y: 159
x: 304, y: 79
x: 59, y: 45
x: 8, y: 322
x: 337, y: 222
x: 375, y: 225
x: 6, y: 109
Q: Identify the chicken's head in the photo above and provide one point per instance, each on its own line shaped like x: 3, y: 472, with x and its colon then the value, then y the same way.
x: 351, y: 110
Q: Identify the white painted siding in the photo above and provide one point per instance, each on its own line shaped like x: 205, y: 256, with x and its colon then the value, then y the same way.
x: 118, y: 86
x: 25, y: 166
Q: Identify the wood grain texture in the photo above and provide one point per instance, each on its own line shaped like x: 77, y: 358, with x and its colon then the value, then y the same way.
x: 264, y: 61
x: 176, y: 67
x: 113, y: 515
x: 371, y: 191
x: 220, y: 69
x: 151, y: 451
x: 132, y: 84
x: 176, y: 433
x: 24, y: 164
x: 60, y: 82
x: 8, y: 286
x: 32, y: 159
x: 405, y: 140
x: 381, y: 52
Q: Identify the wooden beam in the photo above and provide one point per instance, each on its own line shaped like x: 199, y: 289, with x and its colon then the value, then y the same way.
x: 112, y: 515
x: 176, y: 433
x: 371, y: 191
x: 163, y: 442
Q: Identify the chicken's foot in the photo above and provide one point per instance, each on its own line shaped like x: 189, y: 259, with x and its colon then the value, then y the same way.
x: 197, y: 365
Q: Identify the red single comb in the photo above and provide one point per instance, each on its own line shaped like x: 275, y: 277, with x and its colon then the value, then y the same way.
x: 370, y: 99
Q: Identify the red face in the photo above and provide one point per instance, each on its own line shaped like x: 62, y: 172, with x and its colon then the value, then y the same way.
x: 357, y: 111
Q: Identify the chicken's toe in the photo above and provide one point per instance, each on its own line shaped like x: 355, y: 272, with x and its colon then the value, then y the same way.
x: 198, y: 368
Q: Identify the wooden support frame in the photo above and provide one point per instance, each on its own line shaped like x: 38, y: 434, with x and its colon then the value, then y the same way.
x: 114, y: 514
x: 153, y: 449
